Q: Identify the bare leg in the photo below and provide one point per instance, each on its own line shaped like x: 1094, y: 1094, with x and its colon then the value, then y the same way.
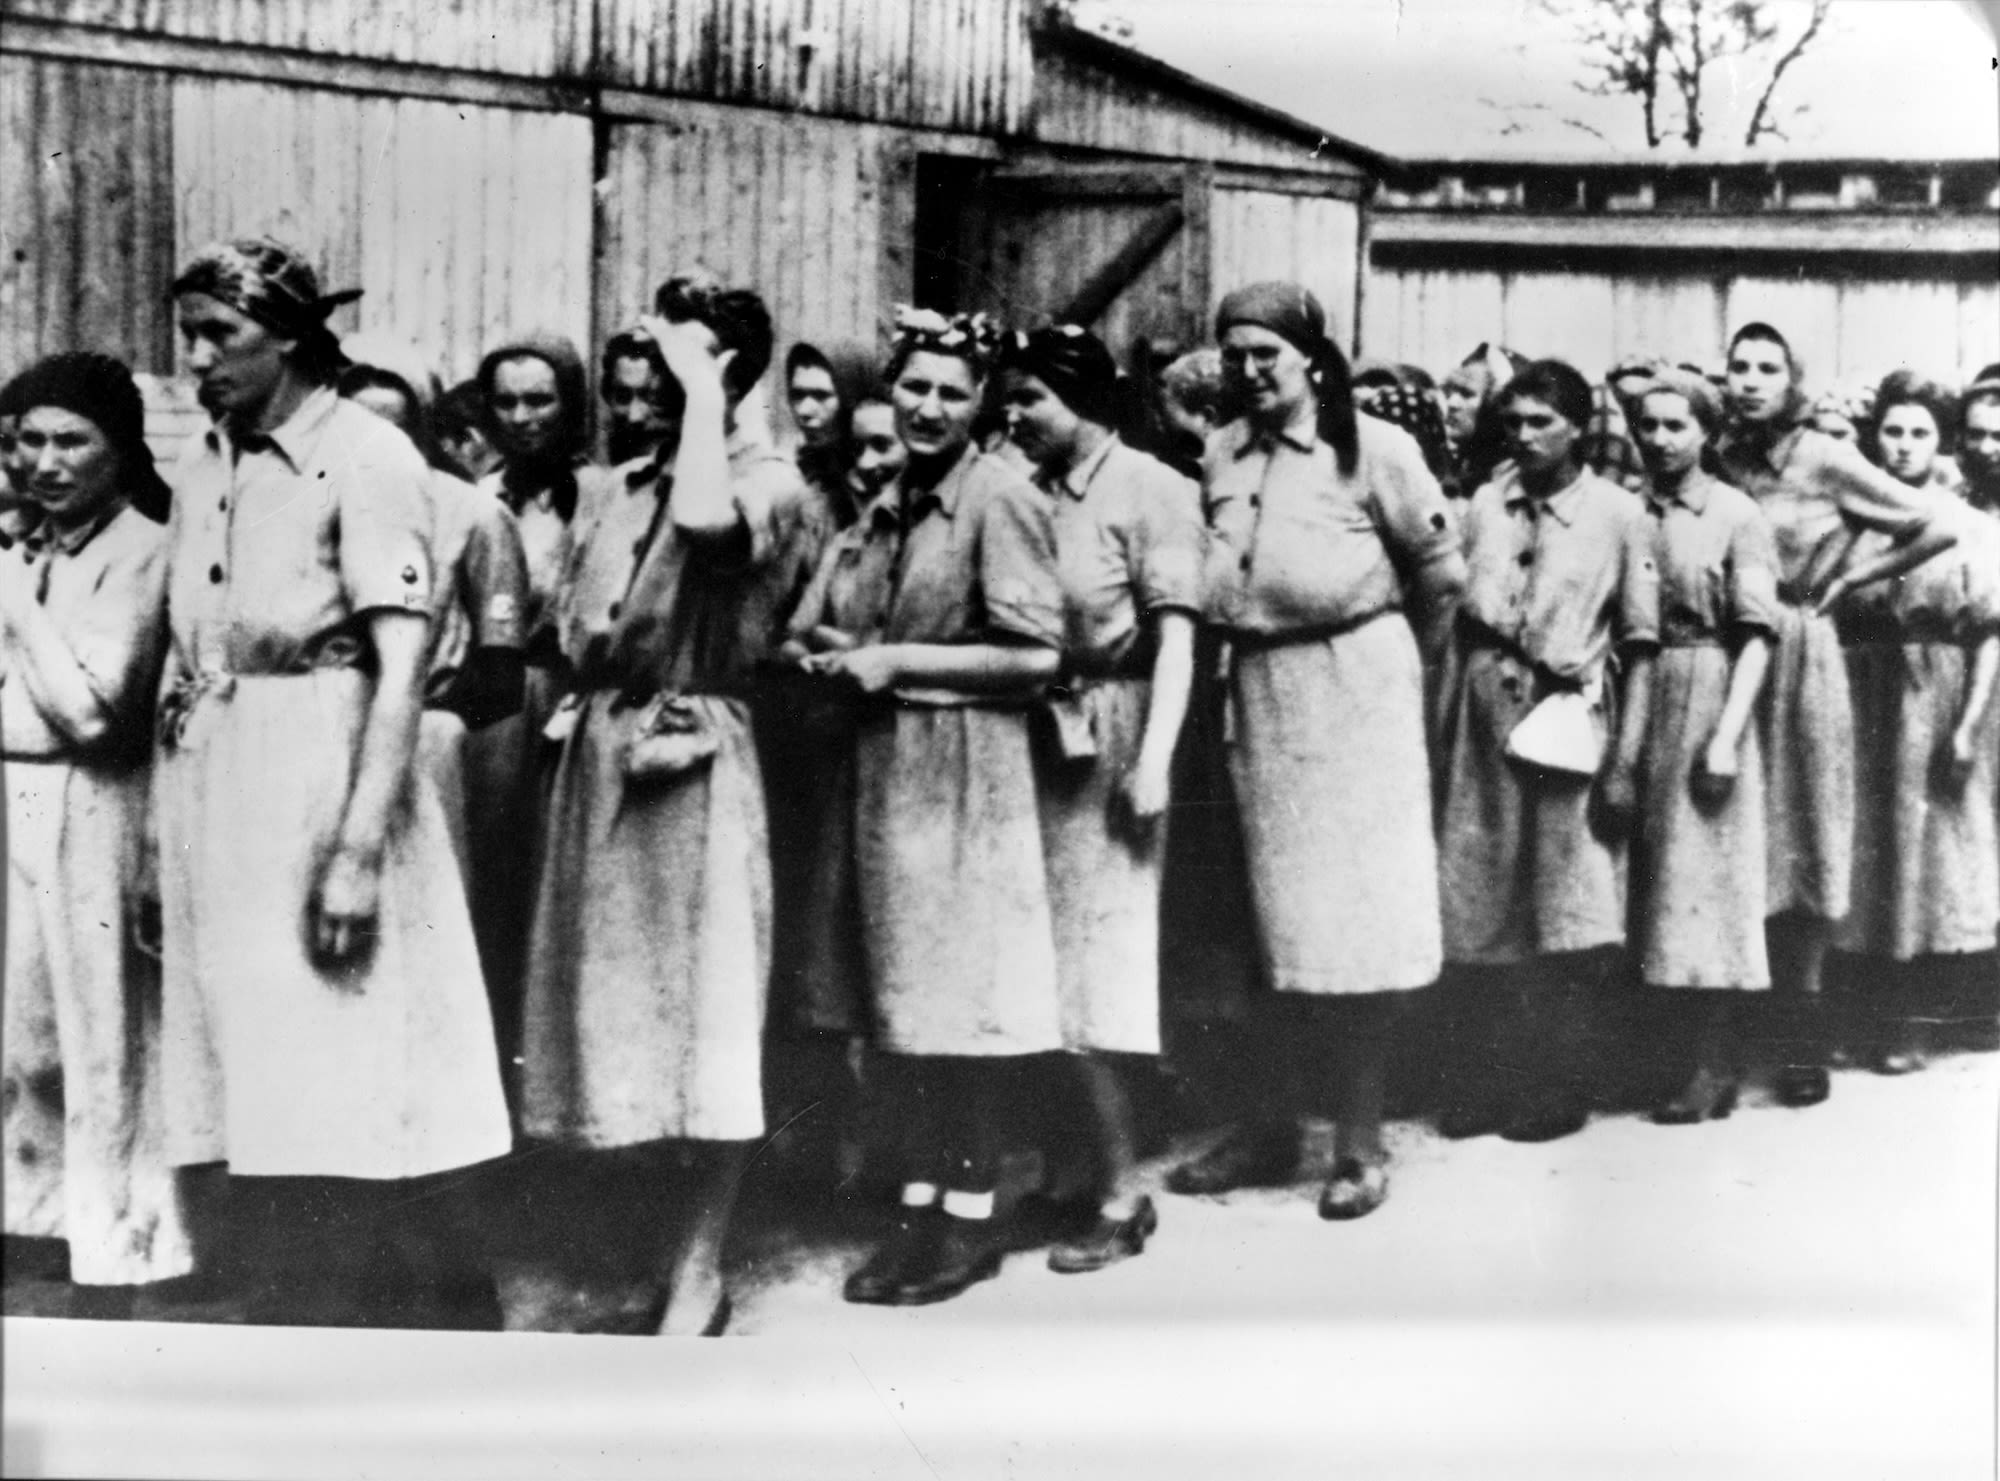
x: 696, y: 1295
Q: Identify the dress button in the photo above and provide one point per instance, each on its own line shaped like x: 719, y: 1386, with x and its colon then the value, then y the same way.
x: 1256, y: 501
x: 215, y: 575
x: 614, y: 611
x: 1527, y: 557
x: 223, y: 503
x: 1244, y: 564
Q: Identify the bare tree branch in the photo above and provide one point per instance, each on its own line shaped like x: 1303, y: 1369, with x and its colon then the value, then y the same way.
x: 1761, y: 124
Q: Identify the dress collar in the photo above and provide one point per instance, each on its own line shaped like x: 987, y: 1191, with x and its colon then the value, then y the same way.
x: 1561, y: 505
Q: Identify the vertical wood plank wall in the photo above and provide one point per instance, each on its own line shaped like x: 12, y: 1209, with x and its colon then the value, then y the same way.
x: 1300, y: 238
x: 790, y: 206
x: 86, y: 219
x: 460, y: 223
x: 1848, y: 330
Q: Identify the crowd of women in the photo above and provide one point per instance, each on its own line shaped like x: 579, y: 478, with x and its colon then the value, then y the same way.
x: 390, y: 785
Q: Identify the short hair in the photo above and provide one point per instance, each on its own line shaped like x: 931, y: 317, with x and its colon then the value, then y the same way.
x: 1557, y: 383
x: 736, y: 317
x: 1908, y: 387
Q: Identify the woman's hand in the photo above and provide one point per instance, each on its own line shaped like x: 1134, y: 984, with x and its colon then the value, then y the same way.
x: 1141, y: 798
x: 1960, y: 757
x: 871, y: 670
x: 684, y: 348
x: 1614, y: 802
x: 346, y: 909
x: 1715, y: 774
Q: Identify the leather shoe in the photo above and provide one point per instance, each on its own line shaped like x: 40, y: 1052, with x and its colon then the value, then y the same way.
x: 1547, y: 1124
x: 1356, y: 1189
x: 1897, y: 1062
x: 878, y: 1280
x: 1111, y: 1241
x: 1801, y: 1085
x: 966, y: 1252
x: 1261, y: 1158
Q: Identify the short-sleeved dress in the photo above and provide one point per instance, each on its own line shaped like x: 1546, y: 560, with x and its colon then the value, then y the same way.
x: 281, y: 547
x: 651, y: 946
x: 1698, y: 870
x: 1926, y: 859
x: 952, y: 882
x: 82, y: 1114
x: 1554, y: 586
x: 479, y: 601
x: 1308, y: 574
x: 1819, y: 495
x: 1128, y: 547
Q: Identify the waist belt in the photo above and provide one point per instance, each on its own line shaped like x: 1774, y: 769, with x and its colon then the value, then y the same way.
x: 1244, y: 640
x: 177, y: 704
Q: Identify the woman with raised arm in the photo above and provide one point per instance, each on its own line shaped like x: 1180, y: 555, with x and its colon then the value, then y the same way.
x: 1820, y: 495
x: 1922, y: 654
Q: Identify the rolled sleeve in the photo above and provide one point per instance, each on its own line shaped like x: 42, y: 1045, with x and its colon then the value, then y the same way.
x: 385, y: 538
x: 1869, y: 497
x: 1417, y: 526
x: 1021, y: 592
x: 1168, y: 534
x: 1753, y: 579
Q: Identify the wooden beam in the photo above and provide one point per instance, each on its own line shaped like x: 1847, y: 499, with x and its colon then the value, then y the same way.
x: 1090, y: 301
x: 1760, y: 231
x: 1197, y: 252
x: 1089, y: 183
x: 60, y: 41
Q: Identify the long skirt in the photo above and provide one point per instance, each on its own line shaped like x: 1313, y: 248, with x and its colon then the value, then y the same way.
x: 1697, y: 871
x: 1333, y: 785
x: 441, y: 753
x: 954, y: 896
x: 1926, y: 860
x: 383, y: 1069
x: 1523, y: 872
x: 1104, y: 884
x: 649, y: 960
x: 1807, y: 725
x: 84, y: 1124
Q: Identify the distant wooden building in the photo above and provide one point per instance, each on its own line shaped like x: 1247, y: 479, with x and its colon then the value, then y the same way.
x: 481, y: 165
x: 1865, y: 264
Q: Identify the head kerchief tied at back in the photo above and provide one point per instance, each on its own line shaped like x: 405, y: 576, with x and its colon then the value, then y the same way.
x: 264, y: 280
x: 100, y: 389
x: 1286, y: 309
x: 1703, y: 399
x: 973, y: 338
x: 1073, y: 363
x: 1417, y: 413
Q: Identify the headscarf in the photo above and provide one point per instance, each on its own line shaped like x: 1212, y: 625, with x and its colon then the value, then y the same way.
x: 272, y: 283
x: 101, y: 389
x: 1294, y: 315
x: 1417, y: 414
x: 1702, y: 398
x: 560, y: 354
x: 973, y: 338
x: 1073, y: 363
x: 856, y: 373
x: 1794, y: 410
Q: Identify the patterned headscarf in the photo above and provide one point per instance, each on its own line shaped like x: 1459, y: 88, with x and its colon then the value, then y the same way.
x: 264, y: 280
x: 1417, y: 414
x: 973, y: 338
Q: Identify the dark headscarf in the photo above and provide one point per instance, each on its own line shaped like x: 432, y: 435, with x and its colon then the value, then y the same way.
x: 1293, y: 314
x: 856, y: 373
x: 272, y: 283
x: 101, y: 389
x: 1073, y: 363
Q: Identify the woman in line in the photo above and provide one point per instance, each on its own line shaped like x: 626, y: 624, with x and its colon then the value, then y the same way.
x: 955, y: 571
x: 823, y: 387
x: 1698, y: 862
x: 327, y: 1032
x: 1128, y: 551
x: 1819, y: 495
x: 650, y: 952
x: 1922, y: 654
x: 1561, y: 580
x: 81, y: 630
x: 1332, y: 562
x: 1471, y: 417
